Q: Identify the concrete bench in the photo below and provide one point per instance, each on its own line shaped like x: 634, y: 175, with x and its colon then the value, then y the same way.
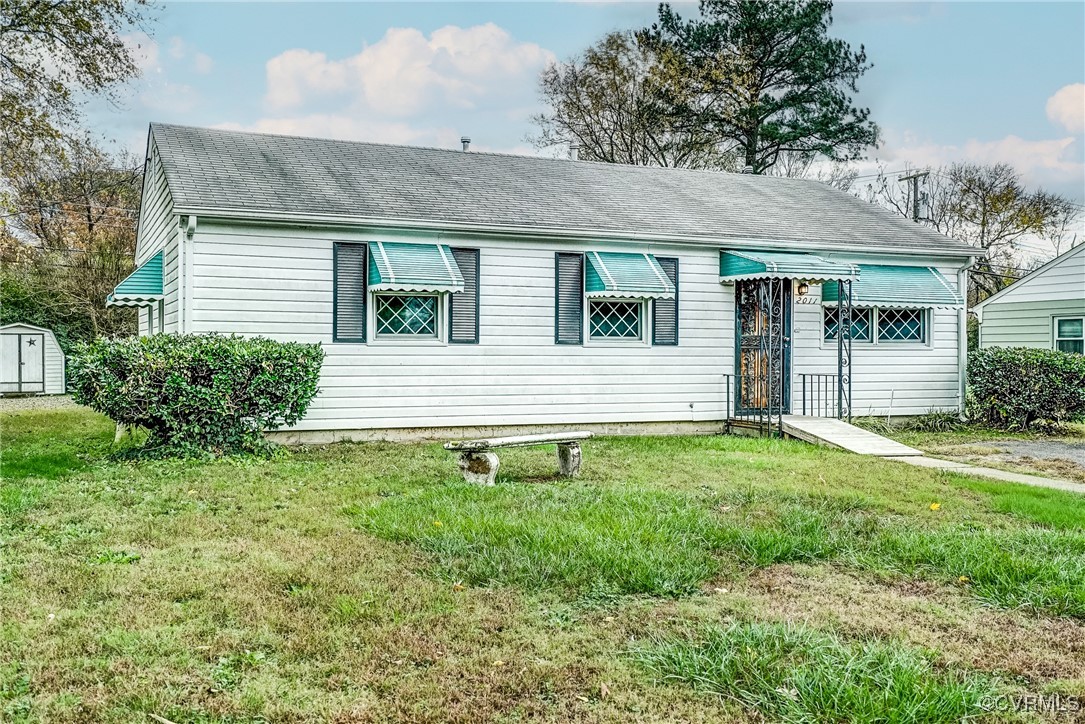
x: 479, y: 463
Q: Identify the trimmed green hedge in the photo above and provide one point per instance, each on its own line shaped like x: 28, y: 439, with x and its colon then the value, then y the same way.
x: 1012, y: 387
x: 197, y: 394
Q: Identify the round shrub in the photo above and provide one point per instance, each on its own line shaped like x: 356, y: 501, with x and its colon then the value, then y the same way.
x: 1012, y: 387
x: 197, y: 394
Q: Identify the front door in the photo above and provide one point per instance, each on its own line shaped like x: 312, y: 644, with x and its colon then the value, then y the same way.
x: 763, y: 347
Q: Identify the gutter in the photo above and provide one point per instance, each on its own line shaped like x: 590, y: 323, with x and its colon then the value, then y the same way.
x: 539, y: 233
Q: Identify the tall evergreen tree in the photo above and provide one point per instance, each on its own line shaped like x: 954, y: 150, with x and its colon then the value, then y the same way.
x: 766, y: 76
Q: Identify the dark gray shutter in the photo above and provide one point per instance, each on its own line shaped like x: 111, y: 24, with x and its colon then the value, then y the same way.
x: 665, y: 311
x: 348, y: 302
x: 463, y: 306
x: 569, y: 298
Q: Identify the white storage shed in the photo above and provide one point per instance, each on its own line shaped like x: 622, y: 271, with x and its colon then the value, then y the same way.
x: 31, y: 361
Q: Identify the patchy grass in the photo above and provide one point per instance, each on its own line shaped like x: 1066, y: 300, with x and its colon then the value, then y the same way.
x: 608, y: 542
x: 666, y: 544
x: 1046, y: 507
x: 795, y: 674
x: 317, y: 587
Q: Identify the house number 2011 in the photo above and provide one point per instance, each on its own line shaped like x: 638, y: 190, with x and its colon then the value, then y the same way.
x: 806, y: 300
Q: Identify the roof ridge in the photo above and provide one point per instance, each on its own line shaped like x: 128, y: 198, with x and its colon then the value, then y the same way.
x: 628, y: 167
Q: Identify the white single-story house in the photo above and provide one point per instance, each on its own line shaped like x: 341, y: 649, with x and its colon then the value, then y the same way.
x: 31, y: 361
x: 482, y: 291
x: 1044, y: 309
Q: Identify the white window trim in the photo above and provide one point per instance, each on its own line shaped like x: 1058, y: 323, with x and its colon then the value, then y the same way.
x: 438, y: 340
x: 645, y: 338
x: 1055, y: 338
x: 875, y: 327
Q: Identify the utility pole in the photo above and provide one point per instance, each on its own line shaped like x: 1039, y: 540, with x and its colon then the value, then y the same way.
x: 914, y: 178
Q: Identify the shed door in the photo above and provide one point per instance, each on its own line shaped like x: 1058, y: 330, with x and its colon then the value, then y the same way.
x: 22, y: 363
x: 33, y: 362
x: 9, y: 362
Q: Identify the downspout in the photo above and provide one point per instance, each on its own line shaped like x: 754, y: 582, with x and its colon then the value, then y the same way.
x: 182, y: 307
x: 190, y: 232
x: 962, y: 340
x: 186, y: 228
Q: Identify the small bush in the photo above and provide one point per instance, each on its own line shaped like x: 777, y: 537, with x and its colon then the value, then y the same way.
x: 197, y: 394
x: 1012, y: 387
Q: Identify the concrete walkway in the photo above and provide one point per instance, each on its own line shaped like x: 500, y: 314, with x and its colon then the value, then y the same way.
x: 966, y: 469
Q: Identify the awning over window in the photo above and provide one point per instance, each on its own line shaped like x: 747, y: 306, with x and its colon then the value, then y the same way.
x: 896, y: 286
x: 739, y: 265
x: 140, y: 288
x: 627, y: 276
x: 402, y: 267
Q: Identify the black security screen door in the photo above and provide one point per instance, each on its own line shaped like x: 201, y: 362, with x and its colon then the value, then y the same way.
x: 763, y: 349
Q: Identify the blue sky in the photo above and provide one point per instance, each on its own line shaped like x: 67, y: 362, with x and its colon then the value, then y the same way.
x: 980, y: 81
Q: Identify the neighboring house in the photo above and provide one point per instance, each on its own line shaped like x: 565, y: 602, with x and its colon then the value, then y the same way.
x: 31, y: 361
x: 1044, y: 309
x: 473, y: 290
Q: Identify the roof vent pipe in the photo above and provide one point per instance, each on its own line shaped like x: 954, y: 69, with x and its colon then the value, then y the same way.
x: 466, y: 141
x: 574, y: 150
x: 747, y: 169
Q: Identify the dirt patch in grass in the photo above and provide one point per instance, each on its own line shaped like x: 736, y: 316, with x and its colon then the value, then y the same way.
x: 1003, y: 458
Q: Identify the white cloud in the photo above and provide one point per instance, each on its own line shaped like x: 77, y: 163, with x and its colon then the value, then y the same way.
x: 170, y: 97
x: 406, y: 72
x: 1067, y: 108
x: 177, y: 47
x: 144, y: 50
x: 202, y: 63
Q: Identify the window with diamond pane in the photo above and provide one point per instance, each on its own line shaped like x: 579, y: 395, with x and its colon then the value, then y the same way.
x: 404, y: 314
x: 614, y: 320
x: 900, y: 325
x: 861, y: 324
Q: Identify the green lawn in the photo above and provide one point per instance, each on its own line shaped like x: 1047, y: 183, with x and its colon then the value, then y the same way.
x: 691, y: 579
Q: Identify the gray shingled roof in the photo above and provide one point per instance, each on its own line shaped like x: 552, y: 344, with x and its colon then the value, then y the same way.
x: 250, y: 172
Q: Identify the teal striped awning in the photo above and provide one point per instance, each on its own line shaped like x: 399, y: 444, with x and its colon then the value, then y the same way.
x: 626, y: 275
x: 882, y: 285
x: 140, y: 288
x: 739, y: 265
x: 403, y: 267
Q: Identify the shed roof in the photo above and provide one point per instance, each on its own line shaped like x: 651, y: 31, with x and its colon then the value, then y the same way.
x: 260, y: 175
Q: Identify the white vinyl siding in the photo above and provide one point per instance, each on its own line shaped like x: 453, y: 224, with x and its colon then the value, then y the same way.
x: 1023, y: 315
x: 1025, y: 324
x: 906, y: 377
x: 158, y: 230
x: 1063, y: 279
x: 277, y: 282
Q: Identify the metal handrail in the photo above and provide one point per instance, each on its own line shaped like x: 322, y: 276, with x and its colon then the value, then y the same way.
x: 819, y: 396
